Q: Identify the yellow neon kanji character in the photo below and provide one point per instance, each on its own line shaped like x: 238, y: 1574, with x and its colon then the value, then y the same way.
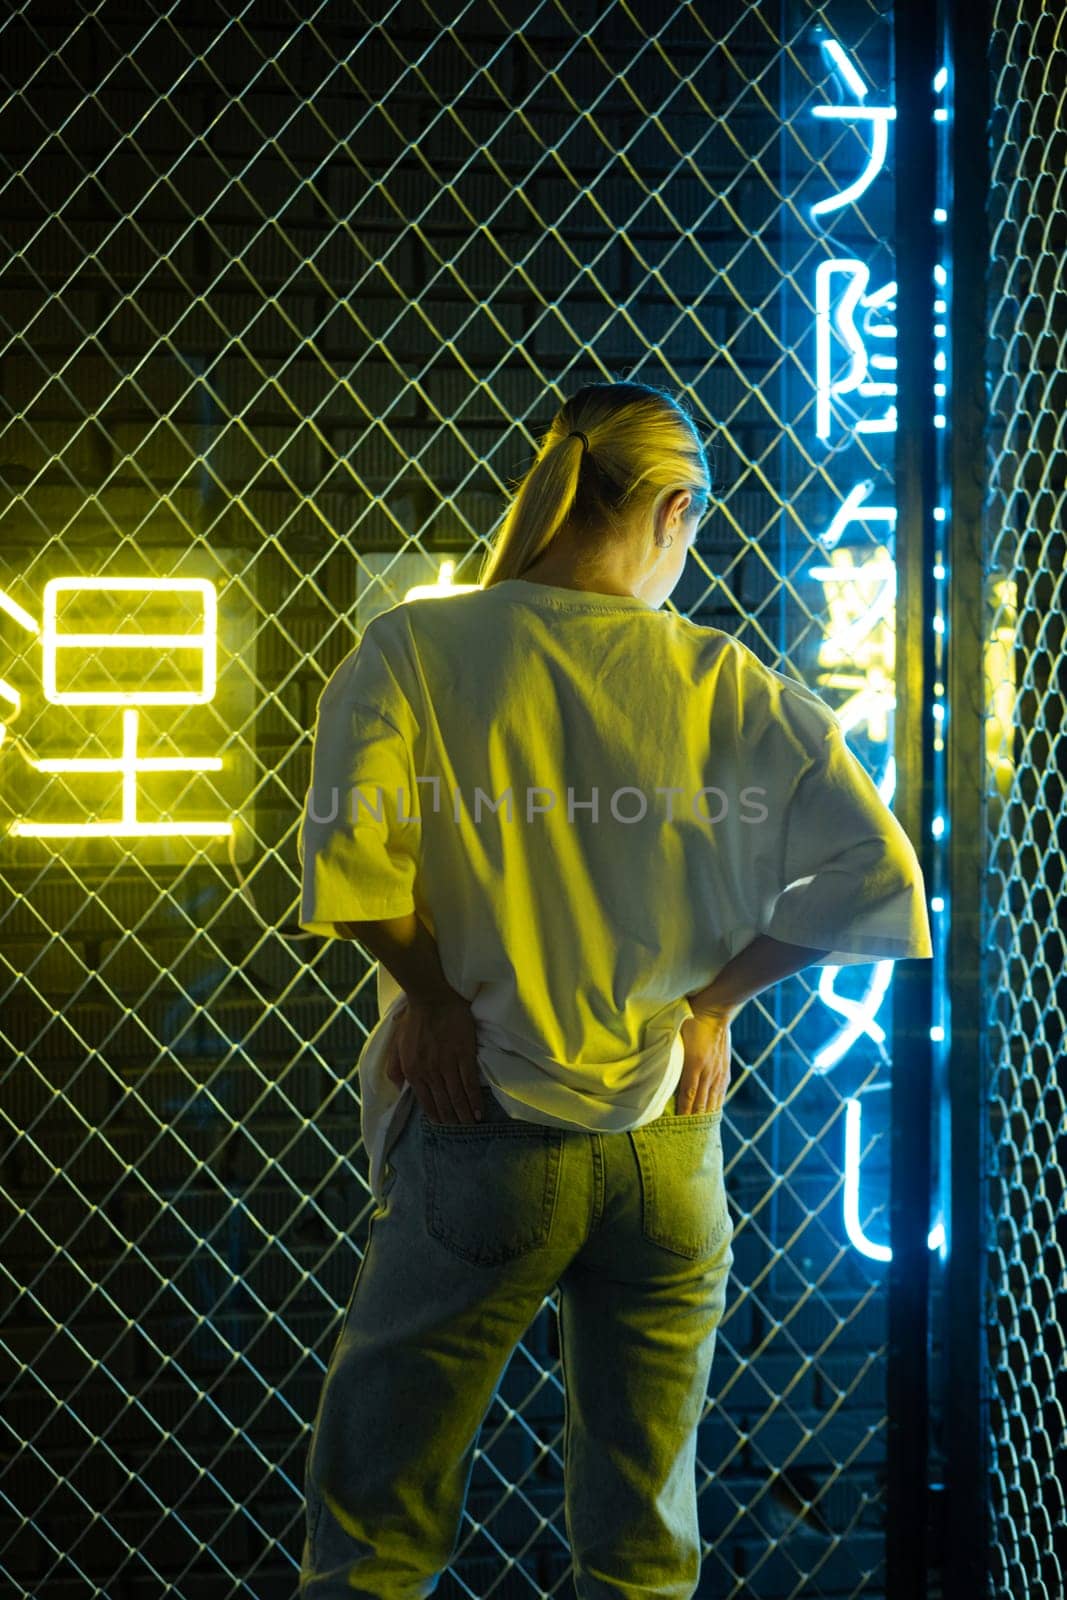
x: 56, y: 639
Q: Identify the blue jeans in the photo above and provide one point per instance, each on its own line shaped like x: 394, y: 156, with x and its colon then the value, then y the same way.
x: 481, y: 1221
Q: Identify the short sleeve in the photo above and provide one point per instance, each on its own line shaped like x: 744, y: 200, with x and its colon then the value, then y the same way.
x: 839, y: 873
x: 358, y: 843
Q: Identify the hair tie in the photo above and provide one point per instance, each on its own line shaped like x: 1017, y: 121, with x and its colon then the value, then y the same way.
x: 576, y: 433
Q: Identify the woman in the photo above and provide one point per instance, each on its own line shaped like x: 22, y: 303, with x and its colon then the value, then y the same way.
x: 578, y: 832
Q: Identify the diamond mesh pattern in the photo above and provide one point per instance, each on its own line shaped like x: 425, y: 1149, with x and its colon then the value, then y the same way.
x: 1026, y: 692
x: 283, y: 294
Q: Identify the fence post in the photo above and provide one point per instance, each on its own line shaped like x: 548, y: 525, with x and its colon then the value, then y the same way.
x: 908, y: 1543
x: 963, y: 1406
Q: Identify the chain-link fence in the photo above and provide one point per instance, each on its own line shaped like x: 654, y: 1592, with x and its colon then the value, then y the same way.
x: 288, y: 294
x: 1026, y: 691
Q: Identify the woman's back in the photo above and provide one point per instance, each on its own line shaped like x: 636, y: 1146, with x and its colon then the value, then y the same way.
x: 612, y: 802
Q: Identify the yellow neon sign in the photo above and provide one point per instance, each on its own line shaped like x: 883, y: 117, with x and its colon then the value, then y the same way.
x: 56, y: 640
x: 9, y: 693
x: 52, y: 641
x: 1001, y: 687
x: 442, y: 585
x: 13, y: 609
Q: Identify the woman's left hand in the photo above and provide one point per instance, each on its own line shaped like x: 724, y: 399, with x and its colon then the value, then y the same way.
x: 433, y: 1046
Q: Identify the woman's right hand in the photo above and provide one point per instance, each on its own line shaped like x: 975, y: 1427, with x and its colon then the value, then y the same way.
x: 706, y: 1069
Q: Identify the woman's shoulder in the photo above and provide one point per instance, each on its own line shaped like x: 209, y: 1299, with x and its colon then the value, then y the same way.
x: 763, y: 693
x: 724, y: 655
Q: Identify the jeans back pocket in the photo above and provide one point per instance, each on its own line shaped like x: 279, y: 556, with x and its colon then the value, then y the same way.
x: 491, y: 1188
x: 683, y: 1193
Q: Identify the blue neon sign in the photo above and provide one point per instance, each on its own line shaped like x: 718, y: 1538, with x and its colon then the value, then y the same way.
x: 855, y: 397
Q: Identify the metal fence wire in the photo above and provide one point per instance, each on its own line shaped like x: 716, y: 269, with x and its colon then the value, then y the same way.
x: 288, y: 294
x: 1026, y: 691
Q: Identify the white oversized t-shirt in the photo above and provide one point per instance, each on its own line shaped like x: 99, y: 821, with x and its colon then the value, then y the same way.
x: 671, y: 797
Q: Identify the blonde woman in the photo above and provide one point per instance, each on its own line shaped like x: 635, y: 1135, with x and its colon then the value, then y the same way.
x: 578, y: 832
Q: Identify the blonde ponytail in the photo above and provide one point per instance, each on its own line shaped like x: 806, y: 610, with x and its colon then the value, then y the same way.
x: 642, y: 443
